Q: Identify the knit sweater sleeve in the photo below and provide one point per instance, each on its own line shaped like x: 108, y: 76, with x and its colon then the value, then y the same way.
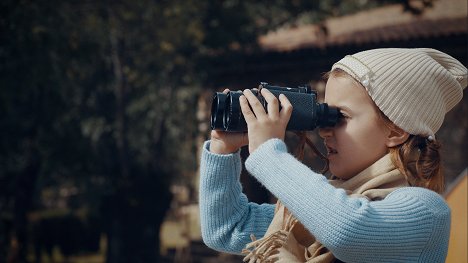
x: 410, y: 225
x: 227, y: 218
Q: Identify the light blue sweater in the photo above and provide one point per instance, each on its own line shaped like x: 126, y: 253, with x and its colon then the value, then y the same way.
x: 410, y: 225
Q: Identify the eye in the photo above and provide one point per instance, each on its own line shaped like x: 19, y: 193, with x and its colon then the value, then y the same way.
x: 344, y: 115
x: 343, y: 119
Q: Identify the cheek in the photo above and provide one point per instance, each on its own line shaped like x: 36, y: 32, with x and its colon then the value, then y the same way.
x: 371, y: 141
x: 359, y: 147
x: 367, y: 131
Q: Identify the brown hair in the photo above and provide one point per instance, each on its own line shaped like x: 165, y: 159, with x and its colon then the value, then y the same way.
x: 418, y: 158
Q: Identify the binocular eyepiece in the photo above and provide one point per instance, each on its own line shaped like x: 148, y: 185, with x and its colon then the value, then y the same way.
x: 307, y: 114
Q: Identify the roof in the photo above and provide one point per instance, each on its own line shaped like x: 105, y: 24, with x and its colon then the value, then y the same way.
x: 445, y: 18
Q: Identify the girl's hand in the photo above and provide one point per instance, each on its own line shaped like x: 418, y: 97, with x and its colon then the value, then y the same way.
x: 263, y: 126
x: 227, y: 142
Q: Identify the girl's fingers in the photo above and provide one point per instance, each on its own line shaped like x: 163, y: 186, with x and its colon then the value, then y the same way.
x: 272, y: 104
x: 286, y: 107
x: 252, y: 109
x: 246, y: 111
x: 257, y: 107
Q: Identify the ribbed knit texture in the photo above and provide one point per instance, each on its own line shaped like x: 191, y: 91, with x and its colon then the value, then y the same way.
x: 227, y: 218
x: 414, y: 88
x: 410, y: 225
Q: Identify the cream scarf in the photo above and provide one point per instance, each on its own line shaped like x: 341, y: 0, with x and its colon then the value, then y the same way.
x: 286, y: 239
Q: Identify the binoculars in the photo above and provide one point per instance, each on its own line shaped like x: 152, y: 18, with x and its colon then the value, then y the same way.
x: 307, y: 114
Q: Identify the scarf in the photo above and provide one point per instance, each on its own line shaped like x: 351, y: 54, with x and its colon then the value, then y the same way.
x: 286, y: 239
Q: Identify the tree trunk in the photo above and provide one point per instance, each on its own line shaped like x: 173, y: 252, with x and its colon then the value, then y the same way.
x: 25, y: 184
x: 138, y: 207
x: 120, y: 95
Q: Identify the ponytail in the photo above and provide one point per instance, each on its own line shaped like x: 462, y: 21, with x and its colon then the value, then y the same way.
x: 420, y: 162
x: 418, y: 159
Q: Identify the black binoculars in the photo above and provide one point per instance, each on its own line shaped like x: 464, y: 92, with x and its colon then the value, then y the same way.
x: 307, y: 114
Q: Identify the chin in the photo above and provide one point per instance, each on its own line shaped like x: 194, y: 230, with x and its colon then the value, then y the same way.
x: 339, y: 173
x: 334, y: 172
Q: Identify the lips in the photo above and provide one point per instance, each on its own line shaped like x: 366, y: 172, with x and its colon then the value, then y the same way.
x: 331, y: 150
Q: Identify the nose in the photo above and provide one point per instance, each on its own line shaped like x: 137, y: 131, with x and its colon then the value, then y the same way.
x: 325, y: 132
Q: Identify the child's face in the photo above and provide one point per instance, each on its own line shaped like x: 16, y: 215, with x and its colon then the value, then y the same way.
x: 359, y: 139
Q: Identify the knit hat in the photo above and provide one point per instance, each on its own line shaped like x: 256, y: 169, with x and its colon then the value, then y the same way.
x: 414, y: 88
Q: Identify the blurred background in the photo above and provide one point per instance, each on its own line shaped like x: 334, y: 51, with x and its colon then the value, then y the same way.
x: 104, y: 106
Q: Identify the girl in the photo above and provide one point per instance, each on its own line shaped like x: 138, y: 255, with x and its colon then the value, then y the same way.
x: 382, y: 206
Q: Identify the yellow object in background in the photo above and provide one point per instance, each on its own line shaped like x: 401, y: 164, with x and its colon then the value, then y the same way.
x: 456, y: 198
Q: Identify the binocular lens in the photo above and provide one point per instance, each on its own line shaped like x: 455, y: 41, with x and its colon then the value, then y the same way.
x: 327, y: 116
x: 218, y: 108
x: 233, y: 118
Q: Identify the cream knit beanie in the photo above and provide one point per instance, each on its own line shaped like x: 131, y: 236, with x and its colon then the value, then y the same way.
x: 414, y: 88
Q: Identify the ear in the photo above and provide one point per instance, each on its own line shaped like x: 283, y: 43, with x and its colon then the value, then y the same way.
x: 396, y: 136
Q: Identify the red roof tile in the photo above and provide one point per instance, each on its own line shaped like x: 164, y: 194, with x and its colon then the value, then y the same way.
x: 389, y: 23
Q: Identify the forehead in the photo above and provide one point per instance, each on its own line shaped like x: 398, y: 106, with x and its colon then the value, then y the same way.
x: 344, y: 90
